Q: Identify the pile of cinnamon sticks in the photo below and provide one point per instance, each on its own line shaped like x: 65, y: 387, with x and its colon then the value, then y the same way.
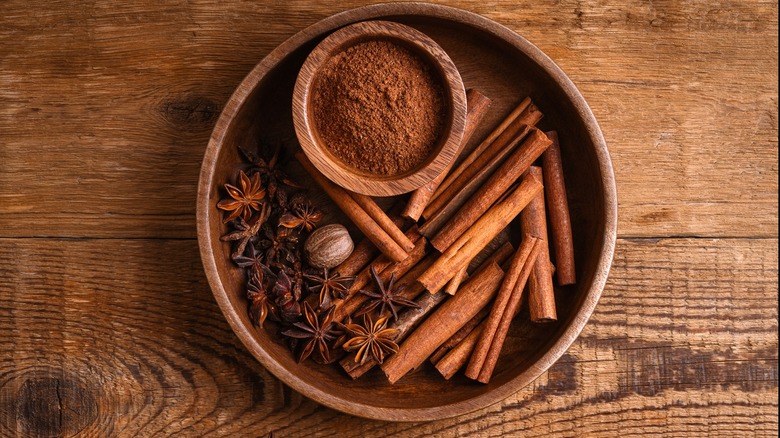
x: 463, y: 319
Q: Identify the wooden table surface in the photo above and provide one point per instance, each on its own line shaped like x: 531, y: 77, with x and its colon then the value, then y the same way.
x: 107, y: 323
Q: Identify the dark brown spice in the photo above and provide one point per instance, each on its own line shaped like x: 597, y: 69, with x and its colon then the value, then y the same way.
x: 378, y: 107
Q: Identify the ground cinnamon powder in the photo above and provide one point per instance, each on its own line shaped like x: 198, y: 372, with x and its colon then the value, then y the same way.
x: 379, y: 107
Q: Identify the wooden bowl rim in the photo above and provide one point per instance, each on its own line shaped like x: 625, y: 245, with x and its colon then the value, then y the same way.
x: 576, y: 324
x: 379, y: 185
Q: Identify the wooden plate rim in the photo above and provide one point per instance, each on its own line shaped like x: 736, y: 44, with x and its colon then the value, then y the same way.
x: 232, y: 107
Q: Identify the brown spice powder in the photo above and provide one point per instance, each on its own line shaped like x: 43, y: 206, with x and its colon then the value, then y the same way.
x: 378, y: 107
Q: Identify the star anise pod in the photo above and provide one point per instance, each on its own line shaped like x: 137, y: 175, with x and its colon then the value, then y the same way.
x: 316, y: 329
x: 245, y: 232
x: 371, y: 340
x: 245, y: 200
x: 282, y: 291
x: 295, y: 274
x: 386, y: 298
x: 269, y: 172
x: 278, y: 245
x: 330, y: 285
x: 302, y: 215
x: 260, y: 307
x: 254, y: 260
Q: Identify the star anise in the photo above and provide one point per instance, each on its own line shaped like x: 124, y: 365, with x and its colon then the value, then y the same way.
x: 259, y: 304
x: 245, y: 200
x: 330, y: 285
x: 245, y: 232
x: 315, y: 329
x: 302, y: 215
x: 270, y: 174
x: 386, y: 298
x: 282, y: 291
x: 371, y: 340
x: 295, y: 274
x: 253, y: 260
x: 279, y: 244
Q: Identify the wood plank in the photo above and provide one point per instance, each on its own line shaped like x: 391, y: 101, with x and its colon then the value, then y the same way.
x: 107, y: 108
x: 123, y: 337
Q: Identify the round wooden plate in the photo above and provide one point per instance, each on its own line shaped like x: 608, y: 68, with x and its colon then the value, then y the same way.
x: 506, y: 68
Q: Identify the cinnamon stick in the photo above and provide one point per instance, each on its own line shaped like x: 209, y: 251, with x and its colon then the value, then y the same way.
x: 354, y: 212
x: 458, y: 336
x: 411, y: 318
x: 406, y: 273
x: 407, y: 322
x: 444, y: 322
x: 382, y: 263
x: 477, y: 105
x: 478, y: 235
x: 528, y: 115
x: 517, y: 163
x: 486, y: 147
x: 456, y: 358
x: 512, y: 308
x: 454, y: 283
x: 513, y: 274
x: 541, y: 294
x: 365, y: 251
x: 379, y: 216
x: 558, y: 208
x: 444, y: 213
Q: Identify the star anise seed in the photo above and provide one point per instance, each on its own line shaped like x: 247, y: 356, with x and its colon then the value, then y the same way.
x: 386, y: 298
x: 245, y: 200
x: 315, y: 329
x: 371, y: 340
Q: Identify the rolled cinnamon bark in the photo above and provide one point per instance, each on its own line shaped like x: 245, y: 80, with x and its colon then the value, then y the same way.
x: 378, y: 215
x: 525, y: 114
x: 478, y: 235
x: 383, y: 263
x: 477, y: 105
x: 365, y: 250
x: 541, y: 294
x: 458, y: 336
x: 411, y: 318
x: 454, y: 284
x: 457, y: 357
x: 512, y: 308
x: 520, y: 261
x: 558, y: 209
x: 354, y: 212
x: 517, y: 163
x: 462, y: 193
x: 444, y: 322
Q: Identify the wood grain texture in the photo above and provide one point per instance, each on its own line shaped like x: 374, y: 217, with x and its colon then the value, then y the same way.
x: 674, y: 347
x: 685, y: 93
x: 107, y: 325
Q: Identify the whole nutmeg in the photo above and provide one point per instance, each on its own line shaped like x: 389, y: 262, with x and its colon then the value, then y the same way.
x: 328, y: 246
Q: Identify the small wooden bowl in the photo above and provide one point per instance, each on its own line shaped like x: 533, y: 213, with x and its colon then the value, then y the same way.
x: 350, y: 177
x: 505, y: 67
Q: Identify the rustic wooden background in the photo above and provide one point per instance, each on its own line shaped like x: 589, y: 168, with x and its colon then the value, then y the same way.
x: 107, y: 324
